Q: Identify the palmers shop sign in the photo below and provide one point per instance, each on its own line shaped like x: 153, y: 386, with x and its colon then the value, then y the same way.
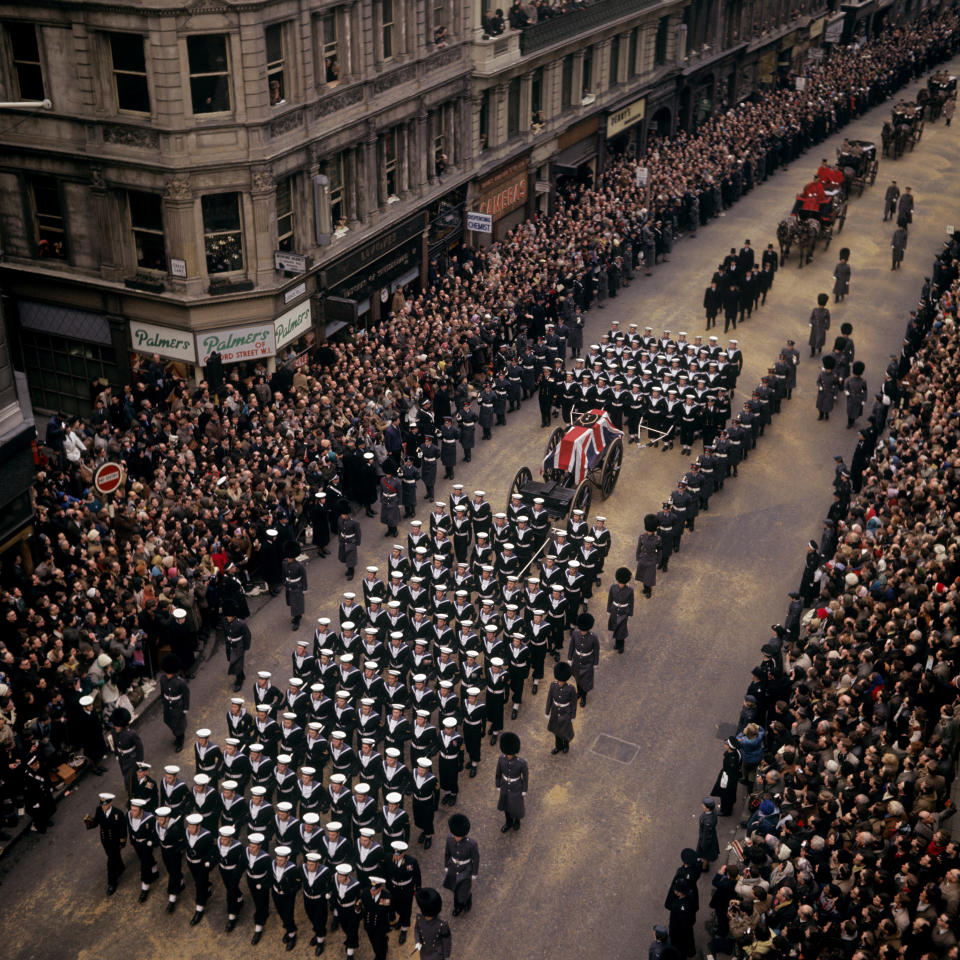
x: 168, y: 343
x: 237, y: 343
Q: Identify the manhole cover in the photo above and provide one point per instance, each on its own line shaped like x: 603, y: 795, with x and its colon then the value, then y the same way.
x: 615, y: 749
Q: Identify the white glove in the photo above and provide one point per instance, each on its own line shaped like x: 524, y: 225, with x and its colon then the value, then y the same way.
x: 523, y: 794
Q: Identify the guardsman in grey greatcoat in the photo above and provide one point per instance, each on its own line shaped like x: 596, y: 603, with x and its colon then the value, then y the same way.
x: 855, y: 389
x: 584, y: 655
x: 431, y: 934
x: 512, y: 780
x: 648, y: 554
x: 390, y: 498
x: 620, y: 608
x: 561, y: 708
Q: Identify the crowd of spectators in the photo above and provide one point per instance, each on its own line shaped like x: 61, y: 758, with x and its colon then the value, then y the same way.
x: 849, y: 731
x: 522, y: 15
x: 212, y: 466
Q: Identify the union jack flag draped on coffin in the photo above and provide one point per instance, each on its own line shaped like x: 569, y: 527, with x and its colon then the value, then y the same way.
x: 582, y: 445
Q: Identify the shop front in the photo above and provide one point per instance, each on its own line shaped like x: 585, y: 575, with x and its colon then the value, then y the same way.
x: 576, y: 161
x: 503, y: 195
x: 446, y: 222
x: 293, y: 332
x: 253, y: 344
x: 624, y: 127
x: 68, y: 354
x: 367, y: 277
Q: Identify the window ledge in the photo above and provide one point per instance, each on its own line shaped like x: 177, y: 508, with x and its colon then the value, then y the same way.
x: 151, y: 283
x: 238, y: 285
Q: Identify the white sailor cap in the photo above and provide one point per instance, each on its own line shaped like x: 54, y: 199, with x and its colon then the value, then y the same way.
x: 311, y: 818
x: 255, y: 838
x: 449, y: 721
x: 194, y: 818
x: 229, y: 785
x: 163, y: 812
x: 423, y: 762
x: 172, y: 769
x: 398, y: 845
x: 283, y: 851
x: 201, y: 779
x: 473, y: 691
x: 338, y: 778
x: 333, y: 826
x: 392, y: 752
x: 264, y: 674
x: 285, y: 806
x: 344, y: 869
x: 227, y: 831
x: 139, y: 802
x: 86, y: 701
x: 203, y: 733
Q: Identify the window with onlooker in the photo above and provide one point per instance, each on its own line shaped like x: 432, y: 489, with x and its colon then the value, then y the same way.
x: 285, y: 214
x: 536, y: 97
x: 129, y: 72
x: 222, y: 232
x: 209, y: 73
x: 27, y: 68
x: 50, y: 226
x: 276, y: 65
x: 146, y: 224
x: 335, y: 180
x: 330, y: 46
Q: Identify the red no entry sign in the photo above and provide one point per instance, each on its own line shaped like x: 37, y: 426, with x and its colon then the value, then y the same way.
x: 108, y: 477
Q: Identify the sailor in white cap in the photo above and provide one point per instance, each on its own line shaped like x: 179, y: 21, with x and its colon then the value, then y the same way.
x: 142, y: 839
x: 496, y: 696
x: 450, y: 760
x: 367, y: 854
x: 144, y: 786
x: 311, y: 833
x: 200, y: 857
x: 539, y: 520
x: 169, y: 832
x: 376, y: 908
x: 266, y: 731
x: 257, y: 868
x: 113, y: 836
x: 317, y: 886
x: 338, y: 797
x: 230, y: 857
x: 474, y: 721
x: 285, y: 778
x: 481, y: 513
x: 174, y: 793
x: 284, y: 882
x: 286, y: 827
x: 346, y: 899
x: 239, y: 721
x: 208, y: 757
x: 404, y: 879
x: 265, y: 692
x: 426, y: 795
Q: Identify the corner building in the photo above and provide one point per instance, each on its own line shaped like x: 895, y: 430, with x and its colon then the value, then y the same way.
x: 252, y: 177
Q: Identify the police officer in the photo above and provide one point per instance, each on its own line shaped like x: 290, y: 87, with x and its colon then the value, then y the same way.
x: 349, y: 540
x: 449, y: 435
x: 295, y: 585
x: 175, y: 692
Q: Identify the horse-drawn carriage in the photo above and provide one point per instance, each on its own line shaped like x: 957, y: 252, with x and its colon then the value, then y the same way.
x: 941, y: 87
x: 577, y: 458
x: 858, y: 161
x: 804, y: 228
x: 903, y: 131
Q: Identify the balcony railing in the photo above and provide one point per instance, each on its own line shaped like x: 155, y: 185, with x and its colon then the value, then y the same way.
x: 537, y: 36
